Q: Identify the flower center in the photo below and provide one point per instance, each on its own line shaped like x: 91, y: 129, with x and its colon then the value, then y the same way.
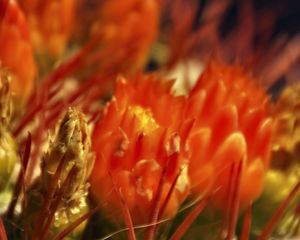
x: 146, y: 122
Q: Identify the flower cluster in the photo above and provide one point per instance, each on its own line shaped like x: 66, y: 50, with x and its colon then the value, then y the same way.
x: 141, y: 159
x: 197, y: 137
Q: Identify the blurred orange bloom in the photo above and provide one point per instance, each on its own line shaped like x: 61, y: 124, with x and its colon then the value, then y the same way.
x: 224, y: 121
x: 138, y: 136
x: 130, y: 27
x: 15, y: 49
x: 232, y: 125
x: 51, y: 23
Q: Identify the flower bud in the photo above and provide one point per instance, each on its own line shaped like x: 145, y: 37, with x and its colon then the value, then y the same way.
x: 65, y: 166
x: 8, y: 148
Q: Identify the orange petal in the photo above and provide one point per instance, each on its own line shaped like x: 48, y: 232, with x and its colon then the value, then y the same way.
x: 252, y: 182
x: 250, y: 123
x: 225, y: 122
x: 198, y: 144
x: 263, y: 138
x: 123, y: 181
x: 202, y: 179
x: 232, y: 150
x: 195, y: 104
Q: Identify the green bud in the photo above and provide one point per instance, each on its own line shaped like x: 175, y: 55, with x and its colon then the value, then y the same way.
x: 8, y: 157
x: 8, y: 149
x: 70, y: 149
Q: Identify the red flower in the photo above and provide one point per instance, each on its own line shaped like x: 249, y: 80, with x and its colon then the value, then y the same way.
x: 51, y: 23
x: 128, y: 28
x: 232, y: 125
x: 15, y: 48
x: 141, y: 132
x: 223, y: 122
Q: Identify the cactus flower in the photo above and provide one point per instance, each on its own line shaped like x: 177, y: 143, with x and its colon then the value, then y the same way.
x: 16, y: 51
x: 223, y: 121
x: 51, y: 24
x: 137, y: 137
x: 232, y: 125
x: 122, y: 25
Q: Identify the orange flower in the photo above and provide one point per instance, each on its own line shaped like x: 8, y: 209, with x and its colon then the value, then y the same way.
x: 50, y: 24
x: 15, y: 49
x: 138, y: 136
x: 232, y: 125
x: 223, y: 122
x: 130, y: 27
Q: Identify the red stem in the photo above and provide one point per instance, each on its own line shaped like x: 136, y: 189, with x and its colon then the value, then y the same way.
x: 190, y: 218
x: 247, y: 224
x: 38, y: 144
x: 229, y: 191
x: 46, y: 204
x: 157, y: 200
x: 54, y: 207
x: 20, y: 180
x: 75, y: 224
x: 235, y: 202
x: 49, y: 82
x: 268, y: 229
x: 125, y: 209
x: 171, y: 190
x: 3, y: 235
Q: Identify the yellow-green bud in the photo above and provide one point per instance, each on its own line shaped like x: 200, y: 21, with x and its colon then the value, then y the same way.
x: 69, y: 150
x: 8, y: 151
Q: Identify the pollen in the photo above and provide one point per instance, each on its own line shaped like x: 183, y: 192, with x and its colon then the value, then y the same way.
x: 146, y: 122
